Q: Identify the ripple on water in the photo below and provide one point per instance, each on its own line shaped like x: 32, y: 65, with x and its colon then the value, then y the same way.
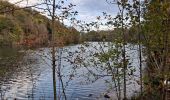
x: 35, y: 81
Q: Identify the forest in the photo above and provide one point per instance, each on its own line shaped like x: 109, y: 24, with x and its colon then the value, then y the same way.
x: 48, y: 52
x: 29, y: 27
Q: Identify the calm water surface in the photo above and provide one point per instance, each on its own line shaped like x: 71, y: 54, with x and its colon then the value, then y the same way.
x: 27, y: 75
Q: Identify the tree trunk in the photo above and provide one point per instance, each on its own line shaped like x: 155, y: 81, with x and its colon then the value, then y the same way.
x: 53, y: 51
x: 124, y: 55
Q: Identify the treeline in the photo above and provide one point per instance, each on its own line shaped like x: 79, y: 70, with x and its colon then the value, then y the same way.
x: 28, y: 27
x: 96, y: 36
x: 110, y: 35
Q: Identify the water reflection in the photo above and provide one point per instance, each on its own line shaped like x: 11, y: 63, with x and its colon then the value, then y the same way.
x: 29, y: 76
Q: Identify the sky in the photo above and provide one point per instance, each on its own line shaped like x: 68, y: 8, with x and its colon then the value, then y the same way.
x: 88, y: 10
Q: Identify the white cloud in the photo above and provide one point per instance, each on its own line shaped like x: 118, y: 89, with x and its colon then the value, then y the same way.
x: 24, y: 2
x: 88, y: 10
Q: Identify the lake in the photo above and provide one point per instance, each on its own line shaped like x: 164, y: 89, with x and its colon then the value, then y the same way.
x: 27, y: 74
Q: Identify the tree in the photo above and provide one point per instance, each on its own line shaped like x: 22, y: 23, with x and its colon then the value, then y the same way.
x: 122, y: 4
x: 135, y: 13
x: 52, y: 6
x: 156, y: 35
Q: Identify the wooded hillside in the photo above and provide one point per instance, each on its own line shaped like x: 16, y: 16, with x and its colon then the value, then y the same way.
x: 29, y: 28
